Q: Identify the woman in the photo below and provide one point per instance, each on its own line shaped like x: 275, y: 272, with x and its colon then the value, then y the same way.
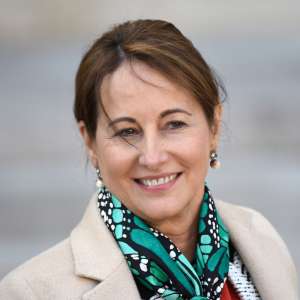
x: 148, y: 108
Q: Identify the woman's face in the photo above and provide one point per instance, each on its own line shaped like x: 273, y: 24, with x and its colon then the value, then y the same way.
x: 153, y: 153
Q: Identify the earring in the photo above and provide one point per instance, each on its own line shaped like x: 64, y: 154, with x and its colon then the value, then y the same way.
x: 214, y: 162
x: 99, y: 182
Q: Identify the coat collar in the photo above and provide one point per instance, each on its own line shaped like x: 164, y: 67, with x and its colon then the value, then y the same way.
x: 93, y: 247
x: 262, y: 251
x: 97, y: 256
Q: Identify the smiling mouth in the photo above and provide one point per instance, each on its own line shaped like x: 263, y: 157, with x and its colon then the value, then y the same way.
x: 158, y: 181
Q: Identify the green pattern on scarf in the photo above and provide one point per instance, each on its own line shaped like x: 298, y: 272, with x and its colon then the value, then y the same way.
x: 158, y: 264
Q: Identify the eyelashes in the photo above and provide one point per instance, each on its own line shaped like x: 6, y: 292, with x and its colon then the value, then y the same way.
x: 130, y: 132
x: 126, y: 132
x: 176, y: 125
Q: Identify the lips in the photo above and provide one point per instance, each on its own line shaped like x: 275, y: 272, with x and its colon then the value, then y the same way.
x: 164, y: 180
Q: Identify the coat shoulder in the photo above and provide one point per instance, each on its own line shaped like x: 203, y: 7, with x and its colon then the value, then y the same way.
x: 250, y: 218
x: 261, y: 230
x: 46, y: 276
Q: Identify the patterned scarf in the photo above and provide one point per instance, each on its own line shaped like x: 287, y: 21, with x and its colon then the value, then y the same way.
x: 158, y: 264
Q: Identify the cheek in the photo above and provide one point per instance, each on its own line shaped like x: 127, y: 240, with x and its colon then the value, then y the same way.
x: 194, y: 154
x: 115, y: 162
x: 194, y: 146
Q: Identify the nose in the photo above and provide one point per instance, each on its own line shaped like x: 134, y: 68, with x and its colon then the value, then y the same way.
x: 153, y: 152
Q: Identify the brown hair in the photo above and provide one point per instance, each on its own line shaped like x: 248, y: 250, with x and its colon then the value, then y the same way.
x: 157, y: 43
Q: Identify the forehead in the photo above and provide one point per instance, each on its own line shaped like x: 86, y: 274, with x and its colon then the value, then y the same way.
x: 137, y: 87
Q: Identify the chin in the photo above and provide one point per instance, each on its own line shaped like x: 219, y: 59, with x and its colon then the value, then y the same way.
x: 162, y: 213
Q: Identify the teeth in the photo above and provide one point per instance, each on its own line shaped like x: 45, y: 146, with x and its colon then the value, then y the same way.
x: 162, y: 180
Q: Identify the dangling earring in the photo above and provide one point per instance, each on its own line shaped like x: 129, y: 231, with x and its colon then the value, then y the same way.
x: 214, y: 162
x: 99, y: 182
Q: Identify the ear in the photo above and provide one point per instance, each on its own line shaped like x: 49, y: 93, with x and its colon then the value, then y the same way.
x: 216, y: 128
x: 89, y: 143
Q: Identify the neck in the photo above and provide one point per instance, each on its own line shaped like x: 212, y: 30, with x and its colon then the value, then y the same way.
x: 186, y: 242
x: 182, y: 231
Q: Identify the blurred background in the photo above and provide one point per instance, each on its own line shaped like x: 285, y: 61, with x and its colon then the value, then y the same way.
x: 44, y: 182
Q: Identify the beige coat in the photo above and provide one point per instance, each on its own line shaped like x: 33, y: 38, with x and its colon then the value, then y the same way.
x: 89, y: 265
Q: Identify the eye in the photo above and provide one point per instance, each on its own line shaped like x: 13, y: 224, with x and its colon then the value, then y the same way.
x: 126, y: 132
x: 175, y: 124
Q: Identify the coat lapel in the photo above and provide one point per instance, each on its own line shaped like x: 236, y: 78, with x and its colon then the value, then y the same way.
x: 263, y: 252
x: 119, y: 285
x: 97, y: 256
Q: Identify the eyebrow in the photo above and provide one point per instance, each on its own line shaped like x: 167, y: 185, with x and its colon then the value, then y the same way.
x: 162, y: 115
x: 173, y: 111
x: 121, y: 119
